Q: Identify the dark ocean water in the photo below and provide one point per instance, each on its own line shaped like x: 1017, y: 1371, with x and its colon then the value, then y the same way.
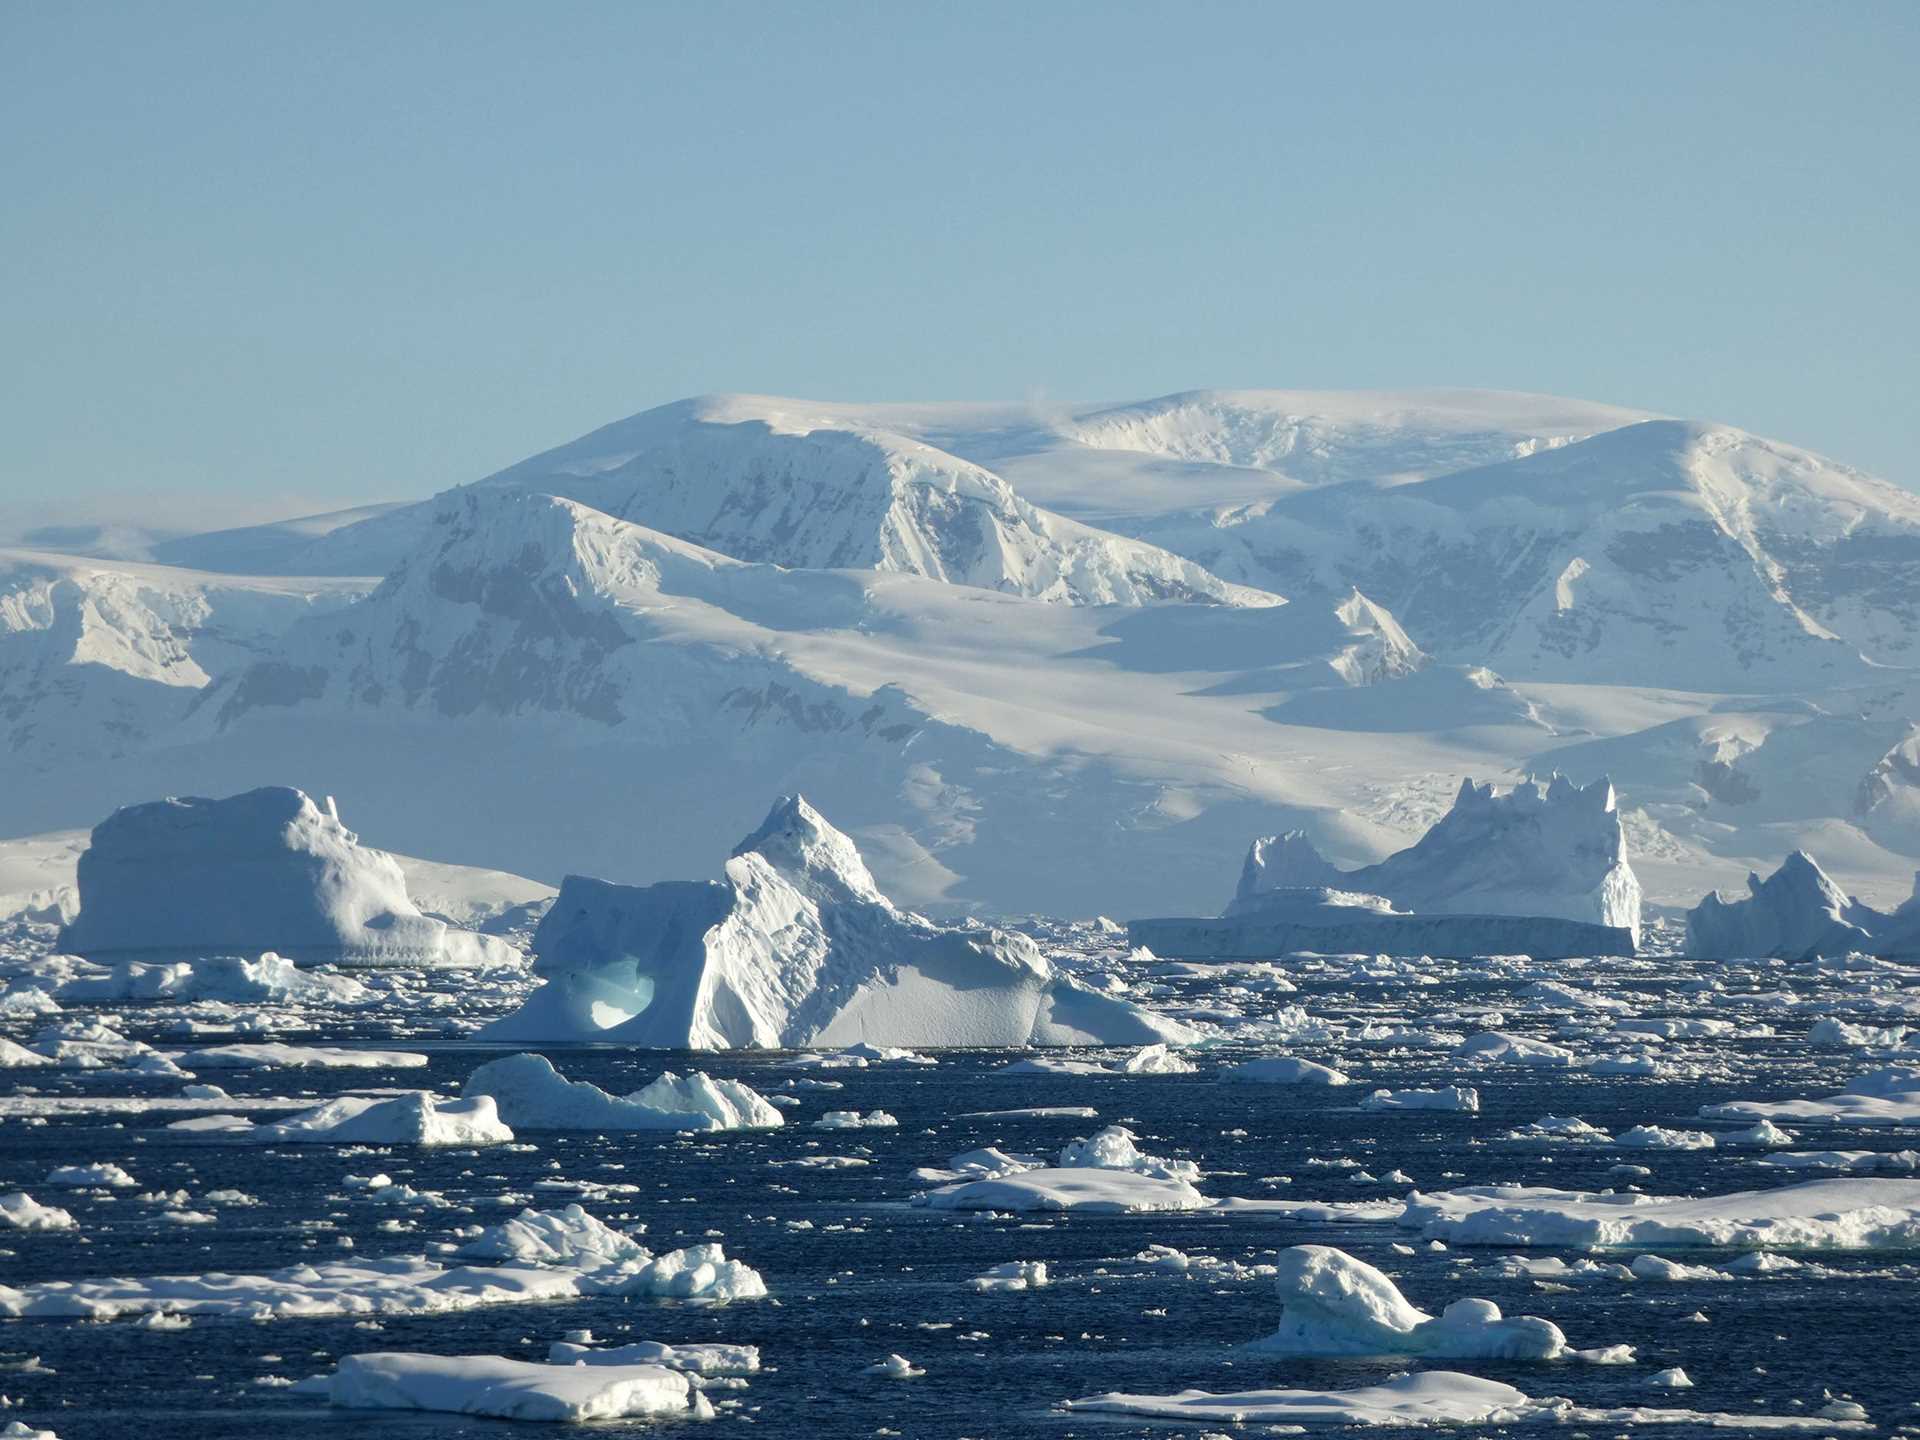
x: 873, y: 1274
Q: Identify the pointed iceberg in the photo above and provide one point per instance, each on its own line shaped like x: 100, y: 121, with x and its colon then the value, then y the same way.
x: 796, y: 947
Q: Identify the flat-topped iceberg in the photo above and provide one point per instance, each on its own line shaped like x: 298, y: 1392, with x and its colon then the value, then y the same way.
x: 1879, y: 1097
x: 1553, y: 851
x: 1799, y: 913
x: 1333, y: 1304
x: 510, y: 1389
x: 263, y: 871
x: 797, y: 947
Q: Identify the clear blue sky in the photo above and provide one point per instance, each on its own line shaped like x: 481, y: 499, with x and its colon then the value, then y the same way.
x: 314, y: 252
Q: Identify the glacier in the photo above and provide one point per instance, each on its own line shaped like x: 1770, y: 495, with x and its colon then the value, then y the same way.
x: 1799, y: 913
x: 795, y: 948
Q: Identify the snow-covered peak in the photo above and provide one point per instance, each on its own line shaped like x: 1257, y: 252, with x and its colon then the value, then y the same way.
x: 1329, y: 436
x: 810, y: 854
x: 780, y: 481
x: 1380, y: 649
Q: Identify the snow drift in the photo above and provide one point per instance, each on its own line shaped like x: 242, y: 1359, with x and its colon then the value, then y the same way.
x: 266, y: 870
x: 796, y: 947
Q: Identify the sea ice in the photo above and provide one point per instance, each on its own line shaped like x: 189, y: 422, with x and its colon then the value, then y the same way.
x: 1452, y: 1097
x: 1283, y: 1070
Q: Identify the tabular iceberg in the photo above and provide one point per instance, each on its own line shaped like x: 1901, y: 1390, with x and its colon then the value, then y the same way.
x: 265, y: 870
x: 797, y: 947
x: 1554, y: 850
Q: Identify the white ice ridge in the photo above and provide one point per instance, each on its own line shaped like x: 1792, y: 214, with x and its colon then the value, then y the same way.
x: 797, y: 947
x: 546, y: 1255
x: 532, y: 1095
x: 511, y: 1389
x: 1553, y: 851
x: 269, y: 979
x: 1799, y: 913
x: 1333, y: 1304
x: 266, y: 870
x: 1818, y: 1215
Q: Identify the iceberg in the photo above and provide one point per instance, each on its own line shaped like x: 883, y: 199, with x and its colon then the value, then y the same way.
x: 532, y: 1095
x: 1554, y: 851
x: 263, y: 871
x: 1879, y: 1097
x: 1333, y: 1304
x: 1293, y: 920
x: 797, y: 947
x: 1799, y: 913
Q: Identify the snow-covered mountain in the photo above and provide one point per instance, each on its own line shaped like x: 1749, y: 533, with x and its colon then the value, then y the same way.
x: 1035, y: 658
x: 103, y: 658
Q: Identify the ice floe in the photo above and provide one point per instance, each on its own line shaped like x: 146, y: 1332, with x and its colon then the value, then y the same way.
x: 508, y: 1389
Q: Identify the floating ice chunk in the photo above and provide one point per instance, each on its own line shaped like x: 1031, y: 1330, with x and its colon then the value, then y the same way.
x: 20, y: 1211
x: 797, y: 947
x: 894, y: 1367
x: 1283, y: 1070
x: 1845, y: 1035
x: 1053, y: 1065
x: 272, y: 1055
x: 1765, y: 1135
x: 1452, y: 1097
x: 415, y: 1118
x: 532, y: 1095
x: 1816, y: 1215
x: 1858, y: 1162
x: 697, y: 1359
x: 1670, y: 1379
x: 1095, y: 1191
x: 14, y: 1056
x: 1655, y: 1137
x: 567, y: 1236
x: 1498, y: 1047
x: 854, y: 1120
x: 1433, y: 1397
x: 1157, y: 1060
x: 1334, y: 1304
x: 1560, y: 1129
x: 102, y: 1175
x: 1012, y: 1276
x: 266, y: 870
x: 1879, y: 1097
x: 507, y: 1389
x: 1113, y: 1149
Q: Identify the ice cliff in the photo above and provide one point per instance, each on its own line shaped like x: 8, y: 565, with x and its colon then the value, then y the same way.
x: 266, y: 870
x: 796, y: 946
